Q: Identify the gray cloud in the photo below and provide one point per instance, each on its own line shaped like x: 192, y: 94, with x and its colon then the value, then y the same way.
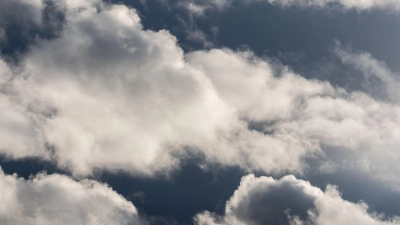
x: 21, y: 22
x: 379, y: 79
x: 346, y: 4
x: 198, y: 8
x: 391, y: 5
x: 290, y: 201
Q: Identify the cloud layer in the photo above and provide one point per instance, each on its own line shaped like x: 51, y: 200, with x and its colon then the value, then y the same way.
x: 59, y: 200
x: 290, y: 201
x: 346, y: 4
x: 199, y: 7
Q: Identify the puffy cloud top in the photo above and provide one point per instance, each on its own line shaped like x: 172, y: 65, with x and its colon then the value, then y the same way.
x: 59, y: 200
x: 290, y: 201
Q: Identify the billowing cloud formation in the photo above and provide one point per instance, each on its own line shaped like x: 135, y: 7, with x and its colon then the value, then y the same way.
x: 290, y: 201
x: 59, y: 200
x: 107, y: 94
x: 353, y: 128
x: 123, y: 97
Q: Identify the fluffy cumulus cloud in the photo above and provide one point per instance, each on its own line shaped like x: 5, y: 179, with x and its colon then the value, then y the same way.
x: 124, y: 97
x: 59, y: 200
x: 290, y: 201
x: 107, y: 94
x: 312, y: 116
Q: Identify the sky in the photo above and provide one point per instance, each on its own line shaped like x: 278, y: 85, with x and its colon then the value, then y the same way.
x: 203, y: 112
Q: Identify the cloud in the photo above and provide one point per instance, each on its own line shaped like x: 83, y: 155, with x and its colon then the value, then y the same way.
x: 360, y: 5
x: 22, y: 21
x: 346, y: 4
x: 378, y: 77
x: 20, y: 132
x: 290, y: 201
x: 107, y: 94
x: 121, y: 91
x: 198, y: 8
x: 58, y: 200
x: 347, y: 127
x: 11, y: 11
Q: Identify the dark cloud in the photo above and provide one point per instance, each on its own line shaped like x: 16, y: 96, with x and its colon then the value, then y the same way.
x: 22, y: 22
x: 272, y: 205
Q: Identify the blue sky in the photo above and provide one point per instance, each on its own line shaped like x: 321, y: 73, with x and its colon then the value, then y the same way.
x: 209, y: 112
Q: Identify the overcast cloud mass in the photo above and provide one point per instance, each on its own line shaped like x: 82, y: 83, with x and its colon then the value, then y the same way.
x: 88, y: 87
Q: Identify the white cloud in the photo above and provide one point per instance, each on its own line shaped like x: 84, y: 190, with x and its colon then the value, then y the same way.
x: 59, y: 200
x: 21, y: 135
x: 124, y: 96
x: 290, y: 201
x: 107, y: 94
x: 198, y: 8
x: 307, y: 113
